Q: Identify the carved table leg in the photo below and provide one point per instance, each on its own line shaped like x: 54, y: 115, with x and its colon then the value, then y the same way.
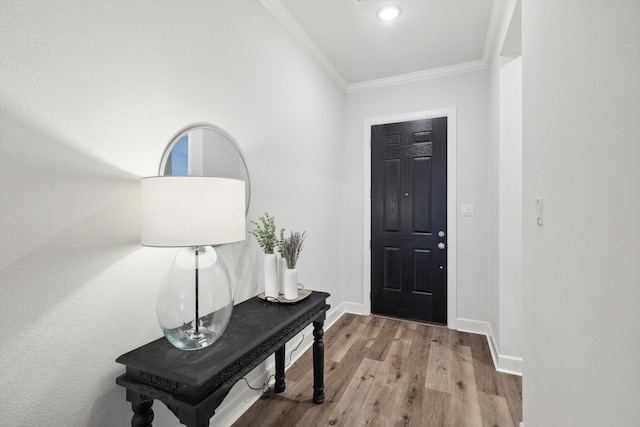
x: 142, y: 414
x: 318, y: 362
x: 280, y: 386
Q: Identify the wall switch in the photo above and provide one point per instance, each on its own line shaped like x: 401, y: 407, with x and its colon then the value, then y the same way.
x: 539, y: 211
x: 467, y: 210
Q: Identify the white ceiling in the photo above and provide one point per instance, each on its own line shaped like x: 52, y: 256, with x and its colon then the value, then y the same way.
x: 430, y: 36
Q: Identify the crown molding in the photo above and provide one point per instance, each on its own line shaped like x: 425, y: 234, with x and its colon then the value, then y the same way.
x: 433, y: 73
x: 495, y: 36
x: 283, y: 16
x: 494, y: 30
x: 502, y: 14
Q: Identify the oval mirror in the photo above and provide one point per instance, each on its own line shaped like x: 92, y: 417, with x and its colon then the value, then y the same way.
x: 205, y: 150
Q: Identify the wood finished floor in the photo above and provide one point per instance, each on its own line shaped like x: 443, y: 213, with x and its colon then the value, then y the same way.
x: 385, y: 372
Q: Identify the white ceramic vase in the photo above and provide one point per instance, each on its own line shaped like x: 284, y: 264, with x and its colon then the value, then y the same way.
x: 290, y: 284
x: 270, y: 276
x: 282, y: 267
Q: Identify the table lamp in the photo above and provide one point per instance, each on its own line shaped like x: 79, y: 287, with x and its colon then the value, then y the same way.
x: 194, y: 304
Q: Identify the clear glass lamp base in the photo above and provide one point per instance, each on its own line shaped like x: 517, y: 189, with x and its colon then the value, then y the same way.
x: 187, y: 338
x: 190, y: 340
x: 180, y: 300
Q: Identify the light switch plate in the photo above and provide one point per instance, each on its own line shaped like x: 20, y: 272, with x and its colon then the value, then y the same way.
x: 467, y: 210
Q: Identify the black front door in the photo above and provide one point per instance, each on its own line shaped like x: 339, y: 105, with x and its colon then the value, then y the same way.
x: 409, y: 220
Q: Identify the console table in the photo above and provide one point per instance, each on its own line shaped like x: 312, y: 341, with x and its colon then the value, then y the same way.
x: 192, y: 384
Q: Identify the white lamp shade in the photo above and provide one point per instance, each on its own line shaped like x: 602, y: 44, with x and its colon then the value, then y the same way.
x: 182, y: 211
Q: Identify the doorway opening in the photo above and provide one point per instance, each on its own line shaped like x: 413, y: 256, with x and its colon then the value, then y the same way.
x: 450, y: 248
x: 409, y: 220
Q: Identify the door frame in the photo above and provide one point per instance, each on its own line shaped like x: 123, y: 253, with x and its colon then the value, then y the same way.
x: 450, y: 114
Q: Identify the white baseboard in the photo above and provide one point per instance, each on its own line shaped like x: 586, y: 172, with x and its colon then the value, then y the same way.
x: 242, y: 397
x: 472, y: 326
x: 510, y: 365
x: 502, y: 362
x: 353, y: 307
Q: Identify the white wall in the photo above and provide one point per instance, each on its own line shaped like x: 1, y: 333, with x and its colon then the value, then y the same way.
x: 493, y: 195
x: 581, y: 103
x: 505, y: 196
x: 90, y: 94
x: 510, y: 212
x: 468, y: 94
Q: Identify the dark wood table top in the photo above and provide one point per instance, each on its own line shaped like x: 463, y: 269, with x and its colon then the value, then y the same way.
x: 256, y: 327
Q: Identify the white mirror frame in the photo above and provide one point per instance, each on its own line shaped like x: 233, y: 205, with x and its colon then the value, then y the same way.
x: 242, y: 174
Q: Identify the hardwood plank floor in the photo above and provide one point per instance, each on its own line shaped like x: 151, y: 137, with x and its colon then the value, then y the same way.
x: 386, y: 372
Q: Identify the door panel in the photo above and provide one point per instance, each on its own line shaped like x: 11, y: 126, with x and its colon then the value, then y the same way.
x: 422, y: 195
x: 422, y: 265
x: 392, y: 269
x: 408, y: 209
x: 392, y: 195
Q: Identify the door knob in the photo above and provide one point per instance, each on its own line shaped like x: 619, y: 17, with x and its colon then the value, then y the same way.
x: 440, y: 245
x: 441, y: 233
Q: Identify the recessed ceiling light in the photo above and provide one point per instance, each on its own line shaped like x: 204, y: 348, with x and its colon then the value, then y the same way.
x: 388, y: 13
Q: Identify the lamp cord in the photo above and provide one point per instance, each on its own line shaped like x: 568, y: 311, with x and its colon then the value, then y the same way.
x: 274, y: 299
x: 264, y: 388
